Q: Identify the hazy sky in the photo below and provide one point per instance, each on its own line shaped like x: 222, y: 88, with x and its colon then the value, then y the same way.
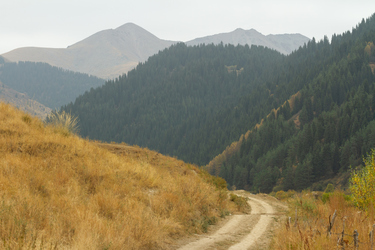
x: 60, y: 23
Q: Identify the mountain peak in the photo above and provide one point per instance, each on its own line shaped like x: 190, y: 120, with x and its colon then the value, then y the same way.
x: 129, y: 26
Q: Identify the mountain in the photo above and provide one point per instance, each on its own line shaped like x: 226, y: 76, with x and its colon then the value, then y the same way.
x: 314, y: 109
x: 23, y: 102
x: 285, y: 43
x: 48, y: 85
x: 113, y: 52
x: 106, y: 54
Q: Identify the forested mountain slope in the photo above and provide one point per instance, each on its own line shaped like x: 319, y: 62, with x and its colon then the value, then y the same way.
x: 50, y: 86
x: 178, y: 101
x: 333, y: 127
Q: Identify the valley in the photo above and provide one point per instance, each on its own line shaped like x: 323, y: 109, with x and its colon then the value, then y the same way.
x: 232, y: 141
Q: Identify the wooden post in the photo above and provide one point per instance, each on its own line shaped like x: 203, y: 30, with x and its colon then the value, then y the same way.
x: 288, y: 224
x: 355, y: 237
x: 372, y: 237
x: 340, y: 240
x: 331, y: 222
x: 295, y: 222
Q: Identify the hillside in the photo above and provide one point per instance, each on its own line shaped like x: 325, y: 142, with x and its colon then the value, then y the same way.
x: 50, y: 86
x: 23, y: 102
x: 60, y: 191
x: 106, y: 54
x: 332, y: 129
x: 284, y: 43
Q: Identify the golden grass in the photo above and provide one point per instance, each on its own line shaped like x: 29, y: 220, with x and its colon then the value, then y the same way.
x: 310, y: 231
x: 59, y: 191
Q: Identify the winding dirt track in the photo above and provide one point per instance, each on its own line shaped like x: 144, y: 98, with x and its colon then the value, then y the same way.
x: 251, y: 231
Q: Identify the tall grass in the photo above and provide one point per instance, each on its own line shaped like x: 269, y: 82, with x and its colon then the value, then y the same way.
x: 63, y: 192
x: 313, y: 216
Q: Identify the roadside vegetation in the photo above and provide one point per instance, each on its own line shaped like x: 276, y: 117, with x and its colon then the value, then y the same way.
x: 59, y: 191
x: 333, y: 219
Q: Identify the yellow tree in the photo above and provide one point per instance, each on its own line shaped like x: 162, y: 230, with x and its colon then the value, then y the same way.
x: 362, y: 183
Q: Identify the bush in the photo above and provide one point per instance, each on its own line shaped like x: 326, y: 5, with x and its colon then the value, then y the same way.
x: 241, y: 202
x: 325, y: 197
x: 330, y: 188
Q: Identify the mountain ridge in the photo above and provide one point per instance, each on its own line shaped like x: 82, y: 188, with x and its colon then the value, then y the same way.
x: 284, y: 43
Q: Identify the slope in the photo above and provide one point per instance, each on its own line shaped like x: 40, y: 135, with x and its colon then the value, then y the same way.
x: 284, y: 43
x: 23, y: 102
x: 60, y: 191
x: 334, y: 125
x: 106, y: 54
x: 50, y: 86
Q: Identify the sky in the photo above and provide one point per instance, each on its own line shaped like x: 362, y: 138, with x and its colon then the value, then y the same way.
x: 60, y: 23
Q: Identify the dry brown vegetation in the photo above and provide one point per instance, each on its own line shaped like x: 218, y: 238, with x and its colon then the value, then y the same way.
x: 59, y: 191
x: 314, y: 212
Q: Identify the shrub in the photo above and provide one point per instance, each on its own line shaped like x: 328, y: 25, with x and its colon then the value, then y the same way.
x: 362, y: 183
x: 325, y: 197
x: 330, y: 188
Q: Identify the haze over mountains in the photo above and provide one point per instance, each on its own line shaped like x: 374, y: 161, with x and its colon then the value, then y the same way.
x: 110, y: 53
x: 285, y: 43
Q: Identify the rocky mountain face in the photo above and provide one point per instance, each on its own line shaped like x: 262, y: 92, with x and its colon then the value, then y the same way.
x: 284, y: 43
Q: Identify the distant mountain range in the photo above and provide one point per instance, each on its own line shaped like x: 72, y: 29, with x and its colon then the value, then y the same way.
x: 285, y: 43
x: 110, y: 53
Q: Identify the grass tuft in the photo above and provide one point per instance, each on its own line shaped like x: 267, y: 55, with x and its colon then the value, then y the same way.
x: 63, y: 122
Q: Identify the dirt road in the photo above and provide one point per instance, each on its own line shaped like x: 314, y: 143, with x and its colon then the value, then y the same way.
x: 245, y: 231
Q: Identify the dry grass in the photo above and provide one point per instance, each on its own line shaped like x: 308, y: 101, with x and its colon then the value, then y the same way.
x: 59, y: 191
x: 310, y: 231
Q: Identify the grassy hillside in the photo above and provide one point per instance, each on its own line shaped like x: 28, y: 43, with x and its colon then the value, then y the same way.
x: 61, y: 191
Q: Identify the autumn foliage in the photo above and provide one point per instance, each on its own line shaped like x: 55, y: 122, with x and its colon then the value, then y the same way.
x: 362, y: 183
